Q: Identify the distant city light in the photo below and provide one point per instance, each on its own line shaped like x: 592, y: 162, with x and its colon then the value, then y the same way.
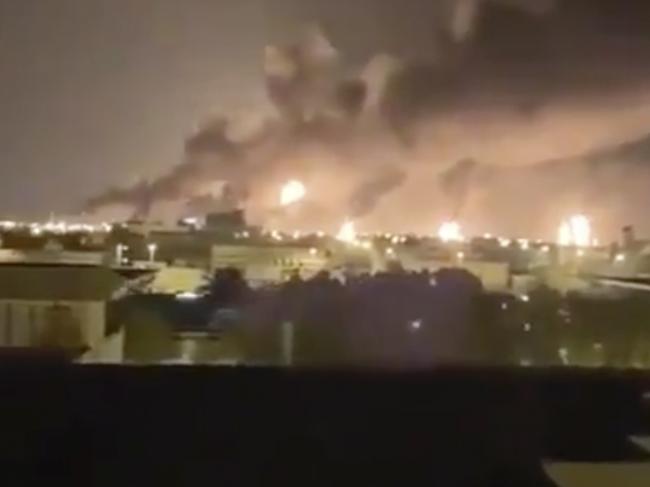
x: 188, y: 295
x: 525, y: 298
x: 152, y: 247
x: 619, y: 258
x: 524, y: 244
x: 527, y: 327
x: 504, y: 306
x: 460, y: 255
x: 8, y: 224
x: 292, y: 192
x: 580, y: 253
x: 416, y: 324
x: 313, y: 251
x: 546, y: 249
x: 504, y: 242
x: 390, y: 251
x: 191, y: 221
x: 450, y: 232
x: 119, y: 252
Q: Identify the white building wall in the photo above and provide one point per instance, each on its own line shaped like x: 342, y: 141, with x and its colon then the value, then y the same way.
x: 177, y: 279
x: 267, y: 263
x: 21, y: 322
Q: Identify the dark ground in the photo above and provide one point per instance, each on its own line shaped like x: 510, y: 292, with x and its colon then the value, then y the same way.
x: 94, y: 425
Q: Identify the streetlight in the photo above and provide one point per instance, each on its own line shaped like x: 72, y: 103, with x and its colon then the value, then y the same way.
x: 416, y: 324
x: 152, y: 247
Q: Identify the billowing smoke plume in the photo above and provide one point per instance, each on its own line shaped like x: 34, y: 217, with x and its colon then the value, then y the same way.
x: 318, y: 108
x: 455, y: 183
x: 532, y: 89
x: 366, y: 196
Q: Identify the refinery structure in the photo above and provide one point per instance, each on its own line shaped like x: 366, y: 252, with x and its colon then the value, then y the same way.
x: 355, y: 178
x: 132, y: 291
x: 430, y: 197
x: 185, y: 253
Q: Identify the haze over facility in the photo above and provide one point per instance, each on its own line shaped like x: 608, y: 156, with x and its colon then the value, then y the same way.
x: 487, y: 112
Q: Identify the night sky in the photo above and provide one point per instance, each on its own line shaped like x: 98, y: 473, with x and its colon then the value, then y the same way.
x: 103, y: 91
x: 95, y: 93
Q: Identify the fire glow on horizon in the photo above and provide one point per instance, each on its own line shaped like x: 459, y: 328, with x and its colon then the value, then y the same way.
x: 575, y: 231
x: 450, y: 232
x: 348, y: 232
x: 292, y: 192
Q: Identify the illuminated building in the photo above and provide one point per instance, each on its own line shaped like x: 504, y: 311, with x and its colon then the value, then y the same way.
x: 262, y: 264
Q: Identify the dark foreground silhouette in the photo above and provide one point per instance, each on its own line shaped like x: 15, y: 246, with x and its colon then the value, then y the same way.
x: 93, y: 425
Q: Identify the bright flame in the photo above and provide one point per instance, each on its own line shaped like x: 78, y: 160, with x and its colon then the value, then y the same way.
x: 450, y: 232
x: 581, y: 229
x: 292, y: 192
x: 575, y: 231
x: 347, y: 233
x: 564, y: 236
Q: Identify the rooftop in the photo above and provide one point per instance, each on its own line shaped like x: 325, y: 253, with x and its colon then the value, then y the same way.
x: 56, y: 282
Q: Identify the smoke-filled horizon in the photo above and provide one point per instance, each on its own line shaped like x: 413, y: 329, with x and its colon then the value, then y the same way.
x: 403, y: 114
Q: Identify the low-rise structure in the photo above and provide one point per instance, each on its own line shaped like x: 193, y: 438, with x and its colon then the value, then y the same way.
x: 262, y: 264
x: 59, y: 306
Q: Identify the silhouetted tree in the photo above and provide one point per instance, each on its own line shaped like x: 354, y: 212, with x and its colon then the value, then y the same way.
x: 228, y: 288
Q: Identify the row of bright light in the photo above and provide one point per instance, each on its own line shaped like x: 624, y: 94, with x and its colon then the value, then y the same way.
x: 58, y: 227
x: 574, y: 231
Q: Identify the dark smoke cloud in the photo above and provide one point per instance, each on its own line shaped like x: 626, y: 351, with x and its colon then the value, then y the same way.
x: 317, y: 107
x: 210, y: 155
x: 366, y: 196
x: 455, y: 183
x: 376, y: 121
